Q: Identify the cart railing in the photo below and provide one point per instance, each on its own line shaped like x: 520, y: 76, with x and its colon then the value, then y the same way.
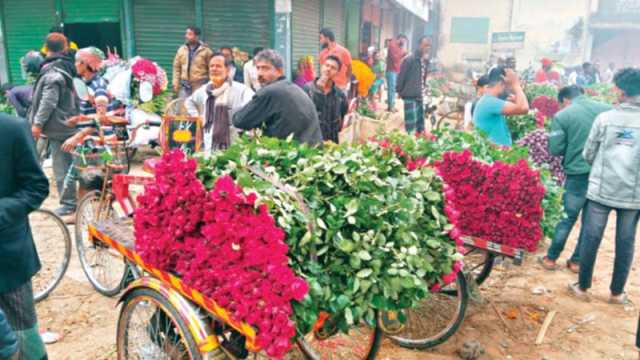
x: 502, y: 250
x: 100, y: 232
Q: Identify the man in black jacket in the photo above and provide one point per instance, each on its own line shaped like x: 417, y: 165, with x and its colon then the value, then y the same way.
x: 411, y: 85
x: 280, y: 107
x: 23, y: 188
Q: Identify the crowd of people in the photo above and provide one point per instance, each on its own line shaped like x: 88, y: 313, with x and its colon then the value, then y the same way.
x: 600, y: 144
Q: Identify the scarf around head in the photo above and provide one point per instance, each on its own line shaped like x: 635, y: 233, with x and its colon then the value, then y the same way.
x: 218, y: 116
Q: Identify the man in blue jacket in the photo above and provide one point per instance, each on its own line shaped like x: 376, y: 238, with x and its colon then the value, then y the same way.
x: 23, y: 188
x: 569, y: 132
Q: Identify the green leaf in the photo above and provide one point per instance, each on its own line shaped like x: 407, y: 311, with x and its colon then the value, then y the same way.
x: 351, y: 220
x: 348, y: 315
x: 321, y: 224
x: 364, y: 255
x: 364, y: 273
x: 346, y: 245
x: 352, y: 207
x: 432, y: 196
x: 305, y: 239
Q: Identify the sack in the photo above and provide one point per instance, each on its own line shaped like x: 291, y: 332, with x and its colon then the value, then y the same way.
x: 359, y: 129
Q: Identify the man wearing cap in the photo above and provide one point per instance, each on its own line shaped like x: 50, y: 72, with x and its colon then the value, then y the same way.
x: 547, y: 74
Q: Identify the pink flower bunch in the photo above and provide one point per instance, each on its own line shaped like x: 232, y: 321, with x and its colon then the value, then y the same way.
x: 146, y: 70
x: 498, y: 202
x: 229, y: 248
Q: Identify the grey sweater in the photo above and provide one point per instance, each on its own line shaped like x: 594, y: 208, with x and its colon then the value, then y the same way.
x: 613, y: 150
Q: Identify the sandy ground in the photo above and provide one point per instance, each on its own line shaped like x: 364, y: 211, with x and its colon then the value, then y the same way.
x: 579, y: 330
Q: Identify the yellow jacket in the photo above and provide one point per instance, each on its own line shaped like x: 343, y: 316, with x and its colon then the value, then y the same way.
x: 199, y: 71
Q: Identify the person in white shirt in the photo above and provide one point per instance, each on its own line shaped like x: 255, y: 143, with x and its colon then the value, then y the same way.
x: 251, y: 72
x: 216, y: 102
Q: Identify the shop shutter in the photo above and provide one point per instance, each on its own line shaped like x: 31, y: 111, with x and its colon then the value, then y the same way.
x: 27, y: 23
x: 305, y: 29
x: 334, y: 18
x: 82, y: 11
x: 159, y: 27
x: 245, y: 24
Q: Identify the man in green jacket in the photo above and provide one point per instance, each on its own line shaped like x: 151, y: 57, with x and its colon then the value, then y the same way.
x: 569, y: 132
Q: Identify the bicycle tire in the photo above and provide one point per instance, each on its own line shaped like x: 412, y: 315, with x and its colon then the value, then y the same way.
x: 311, y: 353
x: 145, y: 297
x: 82, y: 221
x: 44, y: 252
x: 444, y: 334
x: 484, y: 266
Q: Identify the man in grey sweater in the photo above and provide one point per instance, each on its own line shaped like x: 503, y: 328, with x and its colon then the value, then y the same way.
x: 54, y: 101
x: 613, y: 151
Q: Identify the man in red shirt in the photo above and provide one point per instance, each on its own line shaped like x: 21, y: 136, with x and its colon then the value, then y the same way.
x: 395, y: 53
x: 546, y: 74
x: 330, y: 47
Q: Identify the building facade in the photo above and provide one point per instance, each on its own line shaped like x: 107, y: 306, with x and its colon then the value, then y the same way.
x: 155, y: 28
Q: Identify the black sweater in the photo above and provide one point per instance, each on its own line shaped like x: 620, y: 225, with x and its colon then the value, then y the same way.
x: 281, y: 109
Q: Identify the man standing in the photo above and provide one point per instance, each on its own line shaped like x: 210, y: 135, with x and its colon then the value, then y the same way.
x: 395, y: 54
x: 490, y: 111
x: 54, y: 101
x: 607, y: 76
x: 191, y: 64
x: 569, y: 131
x: 613, y: 150
x: 411, y: 84
x: 23, y: 188
x: 216, y: 102
x: 331, y: 103
x: 281, y: 108
x: 547, y: 74
x: 251, y: 73
x: 331, y: 47
x: 235, y: 74
x: 588, y: 76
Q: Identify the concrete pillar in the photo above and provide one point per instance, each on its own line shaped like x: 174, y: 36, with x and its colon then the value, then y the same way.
x: 282, y: 32
x: 4, y: 66
x: 130, y: 39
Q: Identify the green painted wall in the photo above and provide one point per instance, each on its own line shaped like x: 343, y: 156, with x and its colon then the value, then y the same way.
x: 244, y: 24
x: 83, y: 11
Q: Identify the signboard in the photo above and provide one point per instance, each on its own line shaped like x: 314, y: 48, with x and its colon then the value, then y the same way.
x: 181, y: 132
x: 507, y: 40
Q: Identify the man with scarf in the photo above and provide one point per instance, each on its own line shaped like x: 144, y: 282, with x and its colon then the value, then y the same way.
x: 54, y: 101
x: 217, y: 101
x: 331, y: 102
x: 23, y: 188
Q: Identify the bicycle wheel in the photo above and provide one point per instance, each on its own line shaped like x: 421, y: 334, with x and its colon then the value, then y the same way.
x: 436, y: 318
x: 361, y: 343
x: 53, y: 243
x: 478, y: 264
x: 149, y: 327
x: 103, y: 266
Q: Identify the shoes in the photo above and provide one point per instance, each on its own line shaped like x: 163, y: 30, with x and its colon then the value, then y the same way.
x: 621, y: 299
x: 573, y: 267
x: 544, y: 262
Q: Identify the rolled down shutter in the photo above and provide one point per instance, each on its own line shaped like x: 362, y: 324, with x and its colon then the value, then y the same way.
x: 245, y: 24
x: 333, y: 18
x: 305, y: 27
x: 82, y: 11
x: 159, y: 27
x: 27, y: 23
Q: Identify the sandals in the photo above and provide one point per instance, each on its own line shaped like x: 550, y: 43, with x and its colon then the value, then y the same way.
x: 543, y: 263
x: 576, y: 292
x: 573, y: 267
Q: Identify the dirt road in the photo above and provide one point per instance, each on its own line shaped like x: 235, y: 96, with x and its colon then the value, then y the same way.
x: 580, y: 330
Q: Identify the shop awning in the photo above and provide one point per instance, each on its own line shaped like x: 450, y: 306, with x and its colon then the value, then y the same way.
x: 419, y: 8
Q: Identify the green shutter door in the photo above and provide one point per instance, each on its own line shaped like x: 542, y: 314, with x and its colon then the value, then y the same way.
x: 244, y: 24
x: 334, y: 18
x: 27, y: 23
x: 305, y: 30
x: 83, y: 11
x: 159, y: 27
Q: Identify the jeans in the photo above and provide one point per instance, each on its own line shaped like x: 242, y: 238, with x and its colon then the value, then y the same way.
x: 575, y: 196
x: 62, y: 161
x: 392, y: 80
x: 595, y: 221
